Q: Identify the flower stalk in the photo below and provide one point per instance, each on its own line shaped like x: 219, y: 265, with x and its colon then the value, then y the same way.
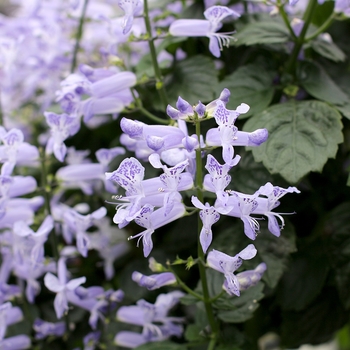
x: 290, y: 68
x: 157, y: 72
x: 79, y: 36
x: 202, y: 269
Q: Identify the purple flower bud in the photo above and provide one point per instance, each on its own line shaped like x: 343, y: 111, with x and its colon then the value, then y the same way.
x: 183, y: 106
x: 200, y: 109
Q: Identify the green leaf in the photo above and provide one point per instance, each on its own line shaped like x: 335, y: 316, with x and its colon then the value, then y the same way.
x: 251, y: 84
x: 337, y: 227
x: 275, y: 252
x: 304, y: 279
x: 319, y: 84
x: 193, y: 79
x: 239, y: 309
x: 302, y: 136
x: 166, y: 345
x: 328, y: 49
x: 249, y: 175
x: 317, y: 323
x: 193, y: 333
x: 264, y: 32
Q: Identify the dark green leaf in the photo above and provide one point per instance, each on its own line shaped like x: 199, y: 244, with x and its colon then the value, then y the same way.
x: 166, y: 345
x: 337, y: 227
x: 302, y: 136
x: 249, y: 175
x: 251, y: 84
x: 319, y: 84
x: 239, y: 309
x: 328, y: 49
x: 275, y: 251
x: 317, y: 323
x: 193, y: 333
x: 304, y: 279
x: 265, y: 32
x: 193, y: 79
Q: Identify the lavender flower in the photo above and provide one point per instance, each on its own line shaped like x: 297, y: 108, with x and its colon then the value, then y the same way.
x: 130, y: 7
x: 266, y: 205
x: 44, y: 329
x: 208, y: 27
x: 228, y: 265
x: 151, y: 220
x: 157, y: 326
x: 60, y: 286
x: 62, y: 126
x: 153, y: 282
x: 250, y: 278
x: 209, y: 217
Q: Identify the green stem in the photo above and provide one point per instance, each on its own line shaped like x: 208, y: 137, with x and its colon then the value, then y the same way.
x: 78, y: 37
x: 202, y: 270
x: 157, y: 72
x: 185, y: 287
x: 290, y: 67
x: 286, y: 20
x: 46, y: 190
x: 322, y: 28
x: 145, y: 112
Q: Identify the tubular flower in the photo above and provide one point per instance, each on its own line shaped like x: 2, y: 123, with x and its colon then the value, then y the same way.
x: 206, y: 27
x: 228, y: 265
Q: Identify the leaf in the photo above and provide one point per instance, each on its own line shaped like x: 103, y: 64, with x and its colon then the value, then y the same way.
x: 319, y: 84
x: 302, y: 136
x: 337, y: 228
x: 249, y: 175
x: 251, y: 84
x: 239, y: 309
x: 275, y: 252
x: 264, y: 32
x: 192, y: 333
x: 317, y: 323
x: 193, y: 79
x: 328, y: 49
x: 304, y: 279
x: 166, y: 345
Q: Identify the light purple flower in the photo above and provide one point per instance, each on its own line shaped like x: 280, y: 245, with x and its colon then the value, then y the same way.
x: 60, y: 286
x: 266, y: 205
x: 153, y: 282
x: 228, y: 265
x: 157, y: 326
x: 62, y: 126
x: 44, y: 329
x: 241, y: 206
x: 250, y: 278
x: 209, y: 217
x: 15, y: 151
x: 206, y: 27
x: 152, y: 219
x: 218, y: 178
x: 131, y: 8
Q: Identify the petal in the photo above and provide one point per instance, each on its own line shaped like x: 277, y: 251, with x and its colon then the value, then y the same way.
x: 129, y: 339
x: 247, y: 253
x: 60, y: 304
x: 72, y: 284
x: 214, y: 47
x: 205, y: 239
x: 52, y: 283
